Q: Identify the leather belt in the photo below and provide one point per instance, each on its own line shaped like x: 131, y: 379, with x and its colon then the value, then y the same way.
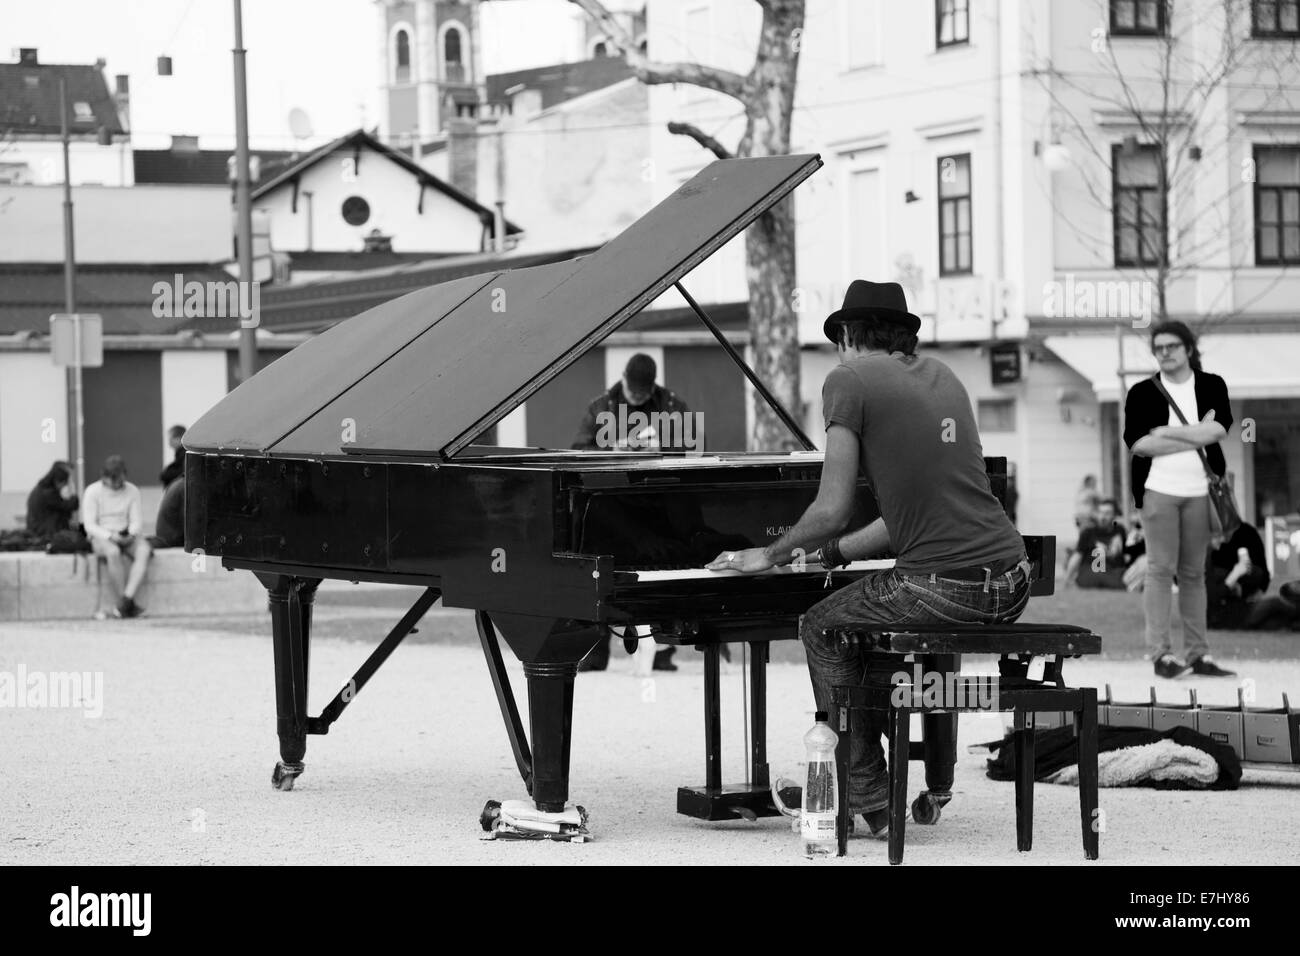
x: 979, y: 572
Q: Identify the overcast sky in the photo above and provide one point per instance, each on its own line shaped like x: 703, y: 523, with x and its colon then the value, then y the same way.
x: 319, y: 55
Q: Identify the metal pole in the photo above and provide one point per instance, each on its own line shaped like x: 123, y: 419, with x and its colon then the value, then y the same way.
x: 754, y: 380
x: 1121, y: 448
x: 75, y: 407
x: 244, y: 211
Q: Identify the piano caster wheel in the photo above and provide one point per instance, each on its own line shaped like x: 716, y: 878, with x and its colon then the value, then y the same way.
x: 928, y: 807
x: 284, y: 774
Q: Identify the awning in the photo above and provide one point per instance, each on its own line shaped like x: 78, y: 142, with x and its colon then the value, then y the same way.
x: 1266, y: 365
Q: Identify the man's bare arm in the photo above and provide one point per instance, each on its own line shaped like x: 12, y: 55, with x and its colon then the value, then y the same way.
x: 833, y: 507
x: 866, y: 542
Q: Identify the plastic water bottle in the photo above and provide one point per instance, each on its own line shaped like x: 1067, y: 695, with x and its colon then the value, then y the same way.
x: 821, y: 794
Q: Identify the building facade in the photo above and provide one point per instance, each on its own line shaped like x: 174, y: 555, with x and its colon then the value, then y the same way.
x: 974, y: 153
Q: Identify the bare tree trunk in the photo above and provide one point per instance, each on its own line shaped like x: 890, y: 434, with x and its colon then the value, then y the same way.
x: 767, y: 93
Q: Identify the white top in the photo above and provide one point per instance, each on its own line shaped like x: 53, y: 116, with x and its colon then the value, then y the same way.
x: 105, y: 512
x: 1181, y: 474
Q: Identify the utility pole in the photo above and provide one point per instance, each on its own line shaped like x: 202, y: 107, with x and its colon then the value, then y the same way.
x: 1121, y: 449
x: 243, y: 209
x: 76, y: 413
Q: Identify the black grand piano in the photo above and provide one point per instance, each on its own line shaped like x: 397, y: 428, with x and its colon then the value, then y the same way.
x: 356, y: 457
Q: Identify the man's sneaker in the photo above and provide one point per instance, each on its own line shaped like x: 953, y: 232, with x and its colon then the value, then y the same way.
x: 1169, y: 666
x: 664, y: 661
x: 127, y: 607
x: 1207, y: 668
x: 111, y: 614
x: 877, y: 823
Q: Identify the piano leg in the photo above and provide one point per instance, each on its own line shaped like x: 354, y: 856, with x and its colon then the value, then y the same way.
x: 550, y: 717
x: 550, y: 651
x: 290, y: 600
x: 940, y: 749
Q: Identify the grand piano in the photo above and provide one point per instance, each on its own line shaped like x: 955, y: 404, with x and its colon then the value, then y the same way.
x: 358, y: 456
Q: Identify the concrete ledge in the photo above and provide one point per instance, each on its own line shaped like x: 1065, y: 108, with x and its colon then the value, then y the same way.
x: 36, y: 586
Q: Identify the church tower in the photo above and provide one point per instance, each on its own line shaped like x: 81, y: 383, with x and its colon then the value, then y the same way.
x: 431, y: 67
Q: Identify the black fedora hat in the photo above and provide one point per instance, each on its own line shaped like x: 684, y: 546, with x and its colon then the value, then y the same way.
x: 881, y: 300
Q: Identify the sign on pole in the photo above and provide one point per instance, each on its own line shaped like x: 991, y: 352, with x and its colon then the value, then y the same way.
x: 63, y: 338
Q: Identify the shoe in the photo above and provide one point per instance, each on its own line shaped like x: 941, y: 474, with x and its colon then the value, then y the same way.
x: 1169, y: 666
x: 111, y: 614
x: 127, y: 607
x: 1207, y: 668
x: 877, y: 823
x: 664, y: 661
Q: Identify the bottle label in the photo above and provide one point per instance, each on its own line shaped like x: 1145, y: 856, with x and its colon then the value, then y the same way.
x: 817, y: 826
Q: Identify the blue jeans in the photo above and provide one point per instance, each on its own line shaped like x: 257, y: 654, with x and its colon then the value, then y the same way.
x: 890, y: 598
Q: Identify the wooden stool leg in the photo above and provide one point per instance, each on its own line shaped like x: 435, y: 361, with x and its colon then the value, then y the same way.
x: 900, y: 730
x: 1085, y: 720
x: 844, y: 721
x: 1024, y: 749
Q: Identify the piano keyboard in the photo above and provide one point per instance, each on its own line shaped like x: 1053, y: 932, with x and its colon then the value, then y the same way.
x: 692, y: 574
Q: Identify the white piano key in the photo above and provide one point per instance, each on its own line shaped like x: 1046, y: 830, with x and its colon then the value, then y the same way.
x: 812, y: 568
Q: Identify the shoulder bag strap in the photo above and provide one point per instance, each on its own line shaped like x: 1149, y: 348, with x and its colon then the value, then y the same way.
x: 1183, y: 418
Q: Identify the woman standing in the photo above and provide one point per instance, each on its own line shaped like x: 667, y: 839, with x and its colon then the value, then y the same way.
x: 1171, y: 489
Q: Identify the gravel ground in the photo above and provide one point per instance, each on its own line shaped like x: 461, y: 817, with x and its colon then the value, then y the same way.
x: 177, y: 768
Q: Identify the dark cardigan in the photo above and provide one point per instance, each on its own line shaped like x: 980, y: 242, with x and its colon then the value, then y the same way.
x: 1146, y: 409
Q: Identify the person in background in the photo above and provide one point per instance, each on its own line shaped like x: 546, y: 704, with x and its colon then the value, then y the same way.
x: 1236, y: 575
x: 638, y: 392
x: 1277, y: 612
x: 1172, y: 491
x: 112, y: 518
x: 1135, y: 556
x: 169, y: 529
x: 52, y: 502
x: 1085, y: 502
x: 1104, y: 540
x: 176, y: 468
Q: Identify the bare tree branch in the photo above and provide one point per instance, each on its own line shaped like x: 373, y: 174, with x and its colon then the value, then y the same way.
x: 701, y: 137
x: 650, y: 72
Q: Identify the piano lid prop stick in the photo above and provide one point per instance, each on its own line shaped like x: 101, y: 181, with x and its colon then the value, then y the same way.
x: 768, y: 397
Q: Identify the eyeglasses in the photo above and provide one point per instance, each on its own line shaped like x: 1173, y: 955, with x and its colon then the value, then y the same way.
x: 1166, y: 349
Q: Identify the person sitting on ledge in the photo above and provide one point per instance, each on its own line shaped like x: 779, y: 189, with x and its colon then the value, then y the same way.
x: 112, y: 518
x: 51, y: 504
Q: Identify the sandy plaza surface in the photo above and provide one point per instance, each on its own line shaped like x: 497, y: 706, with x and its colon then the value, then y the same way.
x: 176, y: 769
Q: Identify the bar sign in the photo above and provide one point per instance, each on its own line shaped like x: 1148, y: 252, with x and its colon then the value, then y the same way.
x: 1004, y: 362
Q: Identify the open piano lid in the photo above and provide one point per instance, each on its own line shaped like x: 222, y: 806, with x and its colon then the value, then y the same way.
x: 425, y: 374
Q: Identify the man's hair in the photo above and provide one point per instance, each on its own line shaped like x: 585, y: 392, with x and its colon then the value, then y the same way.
x: 176, y: 431
x: 877, y: 333
x: 641, y: 371
x: 1109, y: 501
x: 1184, y: 335
x: 115, y: 467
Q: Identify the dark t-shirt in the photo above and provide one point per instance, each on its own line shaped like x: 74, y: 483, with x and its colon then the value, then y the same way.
x: 1112, y: 542
x: 169, y: 529
x: 921, y: 455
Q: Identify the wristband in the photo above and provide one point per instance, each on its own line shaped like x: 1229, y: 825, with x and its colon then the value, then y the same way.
x: 832, y: 557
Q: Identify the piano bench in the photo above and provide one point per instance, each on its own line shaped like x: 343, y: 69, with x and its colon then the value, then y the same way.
x: 942, y: 694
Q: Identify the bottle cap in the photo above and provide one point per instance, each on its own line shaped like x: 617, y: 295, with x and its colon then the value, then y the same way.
x: 821, y: 717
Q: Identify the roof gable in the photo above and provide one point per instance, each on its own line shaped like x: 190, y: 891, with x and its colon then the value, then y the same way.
x: 359, y: 141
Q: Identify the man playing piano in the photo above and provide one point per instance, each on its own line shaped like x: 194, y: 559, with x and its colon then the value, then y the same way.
x: 904, y: 422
